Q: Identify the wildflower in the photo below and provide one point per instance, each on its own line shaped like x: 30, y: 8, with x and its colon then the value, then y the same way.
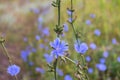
x: 118, y: 59
x: 13, y: 70
x: 40, y: 19
x: 68, y: 77
x: 24, y: 55
x: 97, y: 32
x: 105, y: 54
x: 114, y: 41
x: 90, y: 70
x: 88, y: 22
x: 48, y: 58
x: 60, y: 72
x: 65, y: 27
x: 45, y: 32
x: 92, y: 15
x: 101, y: 67
x: 88, y: 58
x: 102, y: 60
x: 41, y: 70
x: 37, y: 37
x: 69, y: 12
x: 93, y: 46
x: 81, y: 48
x: 59, y: 47
x: 70, y: 20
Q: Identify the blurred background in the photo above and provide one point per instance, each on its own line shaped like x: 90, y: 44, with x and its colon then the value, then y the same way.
x: 27, y: 26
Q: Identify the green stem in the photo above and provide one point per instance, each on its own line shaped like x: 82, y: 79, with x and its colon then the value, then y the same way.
x: 70, y: 60
x: 55, y: 66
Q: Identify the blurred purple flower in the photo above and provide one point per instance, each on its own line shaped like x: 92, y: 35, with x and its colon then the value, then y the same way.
x: 25, y: 39
x: 35, y: 10
x: 93, y: 46
x: 101, y: 67
x: 40, y: 70
x: 114, y: 41
x: 68, y: 77
x: 105, y: 54
x: 97, y: 32
x: 59, y: 47
x: 88, y: 22
x: 37, y: 37
x: 69, y: 12
x: 70, y: 20
x: 45, y: 32
x: 92, y: 15
x: 81, y: 48
x: 42, y: 46
x: 88, y: 58
x: 48, y: 58
x: 60, y: 72
x: 40, y: 20
x: 25, y: 54
x: 90, y: 70
x: 102, y: 60
x: 118, y: 59
x: 65, y: 27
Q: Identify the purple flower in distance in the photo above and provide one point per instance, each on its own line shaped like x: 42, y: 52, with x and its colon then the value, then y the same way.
x: 45, y: 31
x: 118, y: 59
x: 92, y: 15
x: 48, y: 58
x: 102, y: 60
x: 105, y: 54
x: 101, y: 67
x: 93, y: 46
x: 25, y: 54
x: 68, y: 77
x: 60, y: 72
x: 40, y: 70
x: 90, y: 70
x: 69, y: 12
x: 65, y: 27
x: 37, y: 37
x: 81, y: 48
x: 97, y: 32
x: 40, y: 19
x: 114, y: 41
x: 59, y: 47
x: 70, y: 20
x: 13, y: 70
x: 88, y: 22
x: 88, y: 58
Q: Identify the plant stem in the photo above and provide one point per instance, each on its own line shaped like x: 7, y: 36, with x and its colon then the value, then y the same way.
x: 70, y: 60
x: 55, y: 66
x: 8, y: 56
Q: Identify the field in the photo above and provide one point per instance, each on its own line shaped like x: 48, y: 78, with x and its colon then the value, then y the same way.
x: 28, y: 27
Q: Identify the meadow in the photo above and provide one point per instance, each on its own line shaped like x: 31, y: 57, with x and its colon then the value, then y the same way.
x: 32, y: 30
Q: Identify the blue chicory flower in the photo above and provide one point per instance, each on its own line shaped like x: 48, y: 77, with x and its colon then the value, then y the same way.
x: 114, y: 41
x: 80, y: 47
x: 93, y: 46
x: 90, y: 70
x: 13, y: 70
x: 88, y: 22
x: 68, y: 77
x: 97, y: 32
x: 65, y: 27
x: 48, y: 58
x: 60, y: 72
x: 105, y: 54
x: 88, y: 58
x: 40, y: 70
x: 101, y: 67
x: 59, y: 47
